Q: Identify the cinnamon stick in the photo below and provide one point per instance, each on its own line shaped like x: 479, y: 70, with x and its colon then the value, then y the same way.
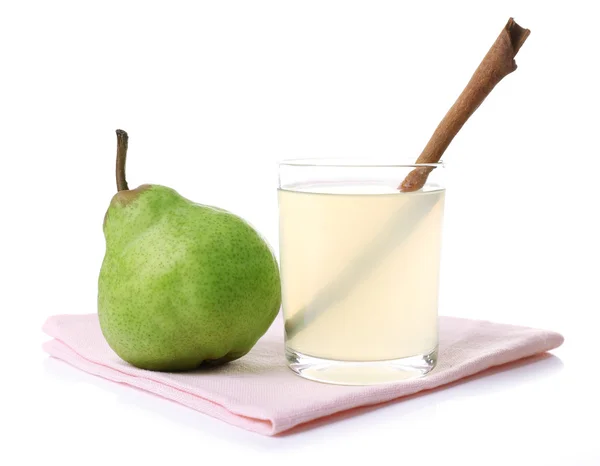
x: 498, y: 63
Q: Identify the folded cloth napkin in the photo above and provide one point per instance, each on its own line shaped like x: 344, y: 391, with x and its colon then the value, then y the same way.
x: 259, y: 393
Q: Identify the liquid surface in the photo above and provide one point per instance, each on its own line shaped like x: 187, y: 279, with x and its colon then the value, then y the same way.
x: 360, y: 266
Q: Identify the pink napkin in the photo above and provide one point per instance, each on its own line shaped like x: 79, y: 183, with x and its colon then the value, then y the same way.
x: 259, y: 393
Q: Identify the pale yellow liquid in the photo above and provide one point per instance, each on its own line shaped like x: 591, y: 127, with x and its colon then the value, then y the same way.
x: 360, y: 271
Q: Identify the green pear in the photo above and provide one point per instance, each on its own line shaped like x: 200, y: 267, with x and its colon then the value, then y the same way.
x: 181, y: 284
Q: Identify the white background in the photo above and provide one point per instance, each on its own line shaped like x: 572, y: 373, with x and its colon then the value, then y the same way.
x: 213, y: 94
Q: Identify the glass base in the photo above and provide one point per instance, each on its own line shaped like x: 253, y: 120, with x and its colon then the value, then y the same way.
x: 360, y: 372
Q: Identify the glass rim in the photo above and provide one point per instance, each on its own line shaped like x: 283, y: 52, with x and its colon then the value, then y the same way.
x: 355, y: 163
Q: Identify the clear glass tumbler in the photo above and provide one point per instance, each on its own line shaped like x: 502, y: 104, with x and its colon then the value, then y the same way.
x: 360, y: 264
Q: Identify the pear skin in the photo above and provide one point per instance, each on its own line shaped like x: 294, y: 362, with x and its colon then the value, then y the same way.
x: 182, y: 284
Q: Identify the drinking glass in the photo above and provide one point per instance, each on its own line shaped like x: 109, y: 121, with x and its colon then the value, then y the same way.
x: 360, y: 264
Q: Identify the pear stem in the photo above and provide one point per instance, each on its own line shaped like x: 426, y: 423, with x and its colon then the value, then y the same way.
x: 122, y: 143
